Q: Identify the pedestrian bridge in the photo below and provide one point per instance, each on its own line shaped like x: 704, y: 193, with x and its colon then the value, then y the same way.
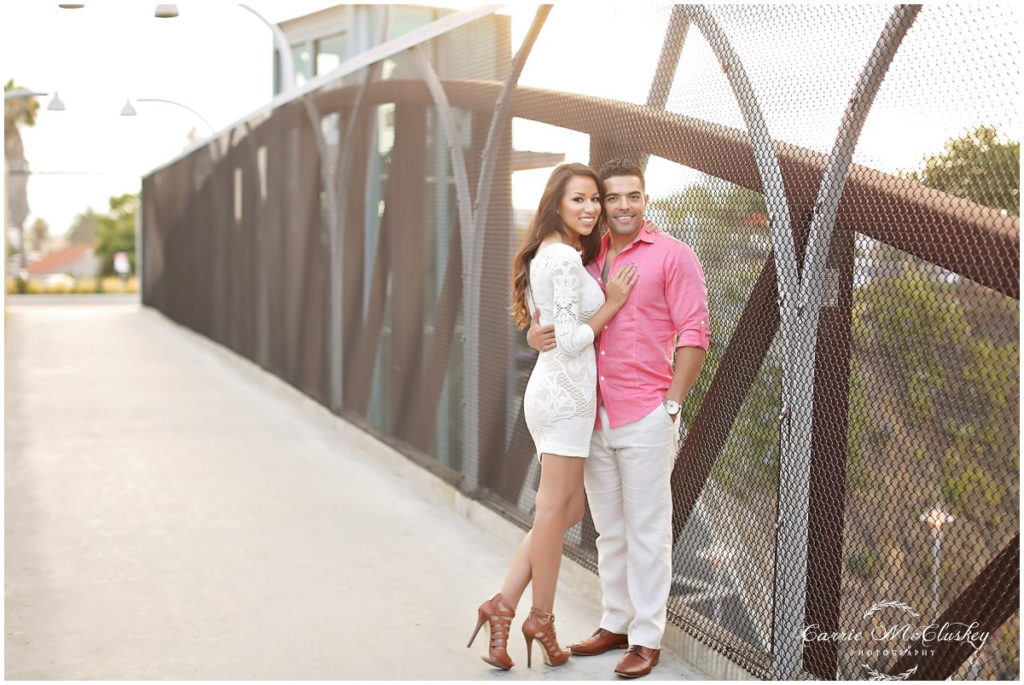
x: 849, y: 178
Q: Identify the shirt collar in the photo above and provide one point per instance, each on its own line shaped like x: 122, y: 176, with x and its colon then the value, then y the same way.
x: 643, y: 235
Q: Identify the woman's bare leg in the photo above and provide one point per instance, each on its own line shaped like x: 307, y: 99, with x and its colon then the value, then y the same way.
x: 520, y: 573
x: 561, y: 482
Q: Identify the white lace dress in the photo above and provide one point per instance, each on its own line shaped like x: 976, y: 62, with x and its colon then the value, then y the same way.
x: 560, y: 402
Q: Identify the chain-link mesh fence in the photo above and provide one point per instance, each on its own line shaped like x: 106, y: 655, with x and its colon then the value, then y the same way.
x: 846, y: 496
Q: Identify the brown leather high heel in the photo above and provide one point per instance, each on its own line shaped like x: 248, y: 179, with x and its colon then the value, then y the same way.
x: 541, y: 625
x: 499, y: 623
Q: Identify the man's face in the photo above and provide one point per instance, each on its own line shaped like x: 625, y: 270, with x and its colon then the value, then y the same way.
x: 624, y: 204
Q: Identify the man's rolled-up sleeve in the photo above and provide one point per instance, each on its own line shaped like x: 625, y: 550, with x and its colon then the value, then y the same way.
x: 687, y: 297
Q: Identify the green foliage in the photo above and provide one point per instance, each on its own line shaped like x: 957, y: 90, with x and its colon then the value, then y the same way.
x: 954, y: 383
x: 84, y: 229
x: 862, y: 564
x: 18, y: 111
x: 934, y: 385
x: 750, y: 456
x: 973, y: 489
x: 116, y: 233
x: 978, y: 167
x: 869, y: 432
x: 964, y: 487
x: 721, y: 224
x: 38, y: 234
x: 725, y: 226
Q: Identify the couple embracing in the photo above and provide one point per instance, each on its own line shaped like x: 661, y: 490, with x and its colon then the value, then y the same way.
x: 608, y: 315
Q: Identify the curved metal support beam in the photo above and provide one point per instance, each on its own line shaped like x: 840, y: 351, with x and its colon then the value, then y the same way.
x: 473, y: 250
x: 501, y: 114
x: 346, y: 144
x: 800, y: 343
x: 261, y: 350
x: 765, y: 156
x: 326, y: 171
x: 934, y: 226
x: 671, y: 49
x: 451, y: 134
x: 830, y: 192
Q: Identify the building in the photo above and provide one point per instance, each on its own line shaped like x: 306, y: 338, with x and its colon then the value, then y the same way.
x: 323, y: 40
x: 75, y: 261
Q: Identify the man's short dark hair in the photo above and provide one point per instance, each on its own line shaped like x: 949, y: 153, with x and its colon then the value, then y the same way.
x: 622, y: 167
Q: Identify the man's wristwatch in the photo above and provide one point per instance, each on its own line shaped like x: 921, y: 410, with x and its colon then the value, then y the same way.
x: 672, y: 407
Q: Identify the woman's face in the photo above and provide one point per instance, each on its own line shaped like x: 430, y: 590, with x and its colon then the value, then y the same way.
x: 580, y: 206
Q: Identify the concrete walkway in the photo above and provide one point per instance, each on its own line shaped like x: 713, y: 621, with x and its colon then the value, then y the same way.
x: 173, y: 512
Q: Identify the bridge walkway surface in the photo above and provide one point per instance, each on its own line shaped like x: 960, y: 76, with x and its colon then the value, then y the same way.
x: 174, y: 512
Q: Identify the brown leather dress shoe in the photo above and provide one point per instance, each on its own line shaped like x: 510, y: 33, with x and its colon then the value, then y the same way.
x: 638, y: 662
x: 600, y: 642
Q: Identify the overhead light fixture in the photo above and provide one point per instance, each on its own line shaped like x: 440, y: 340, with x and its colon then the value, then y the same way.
x: 71, y: 5
x: 56, y: 104
x: 166, y: 10
x: 127, y: 110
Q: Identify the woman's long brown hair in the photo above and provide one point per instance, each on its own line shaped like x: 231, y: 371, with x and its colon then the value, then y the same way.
x: 545, y: 222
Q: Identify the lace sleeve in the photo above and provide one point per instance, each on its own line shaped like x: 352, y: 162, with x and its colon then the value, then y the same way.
x: 571, y: 335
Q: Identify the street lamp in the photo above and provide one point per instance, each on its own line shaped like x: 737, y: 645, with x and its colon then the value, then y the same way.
x: 166, y: 11
x: 169, y: 10
x: 56, y: 104
x: 129, y: 111
x: 936, y: 518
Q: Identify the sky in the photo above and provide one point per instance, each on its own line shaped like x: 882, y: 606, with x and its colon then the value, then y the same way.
x: 217, y: 59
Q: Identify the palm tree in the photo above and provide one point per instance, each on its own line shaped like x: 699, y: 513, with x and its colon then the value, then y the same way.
x: 17, y: 112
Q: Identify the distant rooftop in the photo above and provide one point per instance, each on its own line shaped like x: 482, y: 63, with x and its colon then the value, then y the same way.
x: 59, y: 260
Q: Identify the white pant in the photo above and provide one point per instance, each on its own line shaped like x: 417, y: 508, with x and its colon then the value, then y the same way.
x: 627, y: 478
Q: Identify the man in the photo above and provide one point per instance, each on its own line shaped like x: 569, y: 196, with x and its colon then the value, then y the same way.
x: 634, y: 445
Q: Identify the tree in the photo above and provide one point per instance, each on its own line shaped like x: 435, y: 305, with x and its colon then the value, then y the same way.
x: 39, y: 233
x: 83, y: 230
x: 726, y: 225
x: 116, y: 233
x: 934, y: 397
x: 17, y: 112
x: 979, y: 167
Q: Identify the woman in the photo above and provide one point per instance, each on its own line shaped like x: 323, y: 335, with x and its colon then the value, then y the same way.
x: 561, y: 397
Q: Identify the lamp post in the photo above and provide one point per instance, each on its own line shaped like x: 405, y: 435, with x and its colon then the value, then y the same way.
x: 129, y: 111
x: 170, y: 10
x: 283, y: 49
x: 56, y: 104
x: 936, y: 518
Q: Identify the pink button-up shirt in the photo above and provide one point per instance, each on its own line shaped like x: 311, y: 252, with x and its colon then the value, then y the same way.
x: 668, y: 308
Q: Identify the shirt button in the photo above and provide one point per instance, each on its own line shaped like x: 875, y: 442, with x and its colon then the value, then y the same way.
x: 602, y: 351
x: 602, y: 377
